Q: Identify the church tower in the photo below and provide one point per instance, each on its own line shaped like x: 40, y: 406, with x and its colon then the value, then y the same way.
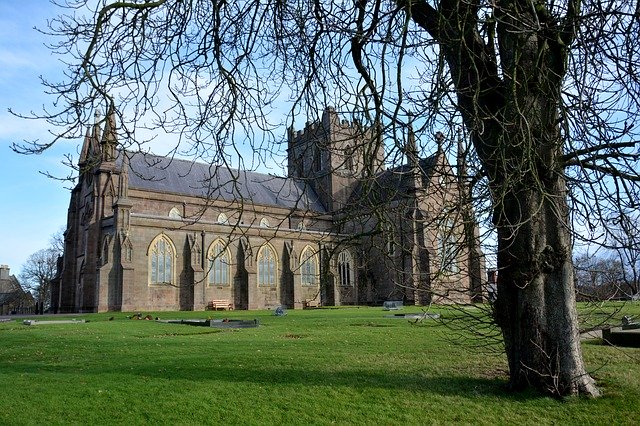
x: 89, y: 243
x: 332, y: 155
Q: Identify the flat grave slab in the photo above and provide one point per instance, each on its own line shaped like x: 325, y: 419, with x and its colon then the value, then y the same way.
x: 215, y: 323
x: 49, y: 322
x: 618, y: 336
x: 413, y: 316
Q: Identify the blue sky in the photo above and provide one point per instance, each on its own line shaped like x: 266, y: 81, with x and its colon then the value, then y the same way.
x: 33, y: 206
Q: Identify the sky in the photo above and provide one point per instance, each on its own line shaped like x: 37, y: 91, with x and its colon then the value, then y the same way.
x: 34, y: 207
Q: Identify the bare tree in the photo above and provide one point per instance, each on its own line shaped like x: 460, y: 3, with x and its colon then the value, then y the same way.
x: 547, y: 92
x: 57, y: 241
x: 624, y: 237
x: 599, y: 278
x: 37, y: 273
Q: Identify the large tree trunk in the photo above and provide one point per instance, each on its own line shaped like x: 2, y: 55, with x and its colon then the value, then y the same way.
x: 536, y: 300
x: 508, y: 84
x: 515, y: 122
x: 536, y: 307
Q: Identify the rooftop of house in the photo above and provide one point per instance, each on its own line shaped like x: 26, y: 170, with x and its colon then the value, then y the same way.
x: 10, y: 288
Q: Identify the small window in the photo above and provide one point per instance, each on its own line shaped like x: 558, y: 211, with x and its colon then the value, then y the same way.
x: 300, y: 165
x: 309, y: 267
x: 390, y: 237
x: 345, y: 269
x: 267, y: 266
x: 317, y: 160
x: 223, y: 219
x: 219, y: 264
x: 264, y: 223
x: 161, y: 261
x: 174, y: 213
x: 348, y: 158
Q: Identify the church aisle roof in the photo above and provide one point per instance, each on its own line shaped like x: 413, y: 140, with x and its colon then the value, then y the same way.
x: 393, y: 183
x: 176, y: 176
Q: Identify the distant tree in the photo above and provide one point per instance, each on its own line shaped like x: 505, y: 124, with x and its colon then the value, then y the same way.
x: 615, y: 271
x: 624, y: 239
x: 37, y: 273
x: 599, y: 278
x: 57, y: 240
x: 547, y: 91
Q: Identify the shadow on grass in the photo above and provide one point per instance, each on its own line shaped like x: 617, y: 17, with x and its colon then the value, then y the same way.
x: 362, y: 380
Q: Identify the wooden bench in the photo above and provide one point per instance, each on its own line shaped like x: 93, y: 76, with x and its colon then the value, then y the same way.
x: 310, y: 304
x: 219, y: 304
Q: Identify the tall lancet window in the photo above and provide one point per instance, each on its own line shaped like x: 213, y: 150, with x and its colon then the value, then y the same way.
x: 219, y: 264
x: 267, y: 266
x: 161, y: 261
x: 345, y: 269
x: 309, y: 267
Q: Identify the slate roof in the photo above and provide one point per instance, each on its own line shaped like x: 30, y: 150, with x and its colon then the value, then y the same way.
x: 159, y: 174
x: 394, y: 183
x: 398, y: 177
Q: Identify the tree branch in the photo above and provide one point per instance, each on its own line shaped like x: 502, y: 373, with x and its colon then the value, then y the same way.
x: 567, y: 157
x: 611, y: 171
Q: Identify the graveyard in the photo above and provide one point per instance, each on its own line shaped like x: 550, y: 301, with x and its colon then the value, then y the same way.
x: 349, y: 365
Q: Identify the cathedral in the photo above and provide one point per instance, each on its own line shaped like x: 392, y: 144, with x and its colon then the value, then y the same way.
x: 148, y: 233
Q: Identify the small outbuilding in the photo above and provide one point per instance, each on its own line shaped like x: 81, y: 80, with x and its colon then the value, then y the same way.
x: 13, y: 298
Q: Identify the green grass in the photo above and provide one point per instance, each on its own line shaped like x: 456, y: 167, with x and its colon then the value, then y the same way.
x: 344, y: 366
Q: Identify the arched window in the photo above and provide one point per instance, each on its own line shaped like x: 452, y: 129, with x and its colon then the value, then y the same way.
x: 264, y: 223
x: 161, y: 261
x: 174, y: 213
x: 219, y: 264
x: 390, y: 237
x: 223, y: 219
x: 345, y: 269
x: 317, y: 160
x: 309, y: 267
x: 348, y: 158
x: 267, y: 266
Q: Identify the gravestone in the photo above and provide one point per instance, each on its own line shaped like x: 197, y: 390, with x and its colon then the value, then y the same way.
x: 280, y: 311
x: 392, y: 305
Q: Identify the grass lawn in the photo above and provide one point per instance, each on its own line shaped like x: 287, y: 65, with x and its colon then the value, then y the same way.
x: 323, y: 366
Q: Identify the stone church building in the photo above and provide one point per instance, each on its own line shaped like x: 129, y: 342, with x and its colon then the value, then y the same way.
x: 147, y: 233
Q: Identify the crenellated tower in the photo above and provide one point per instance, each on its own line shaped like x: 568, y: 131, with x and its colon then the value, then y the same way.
x: 332, y: 155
